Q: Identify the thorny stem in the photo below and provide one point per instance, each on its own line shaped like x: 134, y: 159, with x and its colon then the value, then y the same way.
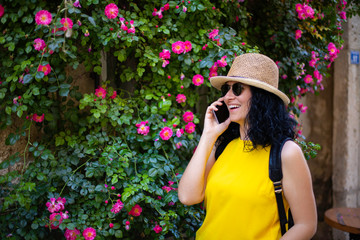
x: 156, y: 209
x: 73, y: 172
x: 27, y: 144
x: 172, y: 170
x: 127, y: 146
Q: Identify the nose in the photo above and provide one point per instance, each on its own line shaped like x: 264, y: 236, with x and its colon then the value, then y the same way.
x: 230, y: 94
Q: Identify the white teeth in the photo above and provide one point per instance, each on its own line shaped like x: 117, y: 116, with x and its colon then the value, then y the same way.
x: 234, y: 106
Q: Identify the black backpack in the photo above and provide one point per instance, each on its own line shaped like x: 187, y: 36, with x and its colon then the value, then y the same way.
x: 275, y: 174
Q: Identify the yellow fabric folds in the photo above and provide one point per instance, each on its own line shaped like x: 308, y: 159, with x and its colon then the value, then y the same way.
x: 239, y: 197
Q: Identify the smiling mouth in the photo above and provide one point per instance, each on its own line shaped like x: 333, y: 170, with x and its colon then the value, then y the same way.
x: 231, y: 107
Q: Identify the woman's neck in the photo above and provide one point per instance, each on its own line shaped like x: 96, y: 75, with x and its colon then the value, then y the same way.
x: 243, y: 132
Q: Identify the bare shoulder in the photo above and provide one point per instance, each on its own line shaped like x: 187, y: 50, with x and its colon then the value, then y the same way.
x: 292, y: 158
x: 292, y: 154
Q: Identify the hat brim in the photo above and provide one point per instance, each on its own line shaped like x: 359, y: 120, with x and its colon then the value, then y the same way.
x: 218, y: 81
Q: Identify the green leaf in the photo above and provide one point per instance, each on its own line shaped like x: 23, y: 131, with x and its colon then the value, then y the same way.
x: 40, y: 177
x: 28, y: 49
x: 70, y: 54
x: 53, y: 46
x: 200, y: 7
x: 64, y: 92
x: 187, y: 61
x: 206, y: 64
x: 100, y: 188
x: 153, y: 172
x: 27, y: 78
x: 34, y: 226
x: 2, y: 93
x: 118, y: 234
x: 97, y: 114
x: 12, y: 139
x: 182, y: 15
x: 97, y: 69
x: 116, y: 226
x: 11, y: 46
x: 122, y: 56
x: 140, y: 71
x: 157, y: 144
x: 164, y: 106
x: 19, y: 112
x: 37, y: 153
x: 10, y: 161
x: 8, y: 110
x: 154, y: 109
x: 161, y: 72
x: 39, y: 75
x: 59, y: 141
x: 70, y: 226
x: 35, y: 91
x: 172, y: 4
x: 83, y: 192
x: 90, y: 172
x: 53, y: 88
x: 64, y: 85
x: 149, y: 96
x: 92, y: 21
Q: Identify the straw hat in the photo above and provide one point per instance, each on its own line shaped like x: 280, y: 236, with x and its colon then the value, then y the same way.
x: 253, y: 69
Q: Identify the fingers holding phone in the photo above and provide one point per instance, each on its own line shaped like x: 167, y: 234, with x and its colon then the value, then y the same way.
x: 216, y: 119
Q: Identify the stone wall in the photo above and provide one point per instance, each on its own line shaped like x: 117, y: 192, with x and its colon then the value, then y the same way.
x: 6, y: 150
x: 86, y: 84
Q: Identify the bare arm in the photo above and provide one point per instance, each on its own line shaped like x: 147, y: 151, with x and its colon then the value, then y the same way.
x: 297, y: 185
x: 193, y: 182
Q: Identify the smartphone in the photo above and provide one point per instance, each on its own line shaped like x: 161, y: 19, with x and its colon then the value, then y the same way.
x: 222, y: 113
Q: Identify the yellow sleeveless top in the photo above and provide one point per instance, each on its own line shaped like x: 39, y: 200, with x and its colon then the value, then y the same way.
x: 239, y: 197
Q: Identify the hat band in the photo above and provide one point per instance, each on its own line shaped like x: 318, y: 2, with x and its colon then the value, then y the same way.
x: 260, y: 81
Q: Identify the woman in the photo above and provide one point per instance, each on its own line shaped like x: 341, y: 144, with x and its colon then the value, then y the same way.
x: 230, y: 167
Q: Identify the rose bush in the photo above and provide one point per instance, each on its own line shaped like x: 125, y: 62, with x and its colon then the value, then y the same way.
x: 108, y: 163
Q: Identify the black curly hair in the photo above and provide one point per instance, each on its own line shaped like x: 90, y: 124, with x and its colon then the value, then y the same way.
x: 268, y: 122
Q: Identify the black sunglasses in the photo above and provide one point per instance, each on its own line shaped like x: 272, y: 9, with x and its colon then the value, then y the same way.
x: 237, y: 89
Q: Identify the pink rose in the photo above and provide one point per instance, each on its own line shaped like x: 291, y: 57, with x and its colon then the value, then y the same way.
x: 111, y: 10
x: 157, y: 229
x: 190, y: 127
x: 166, y: 133
x: 89, y: 233
x: 178, y: 47
x: 188, y: 116
x: 43, y: 17
x: 135, y: 211
x: 198, y: 80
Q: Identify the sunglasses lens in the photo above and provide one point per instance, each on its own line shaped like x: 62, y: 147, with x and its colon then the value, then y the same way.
x: 224, y: 89
x: 237, y: 89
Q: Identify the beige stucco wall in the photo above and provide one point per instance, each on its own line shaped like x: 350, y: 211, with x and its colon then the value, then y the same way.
x: 346, y: 157
x: 333, y: 121
x: 317, y: 125
x: 347, y: 121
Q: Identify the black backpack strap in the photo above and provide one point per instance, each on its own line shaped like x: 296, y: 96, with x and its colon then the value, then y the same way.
x: 275, y: 174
